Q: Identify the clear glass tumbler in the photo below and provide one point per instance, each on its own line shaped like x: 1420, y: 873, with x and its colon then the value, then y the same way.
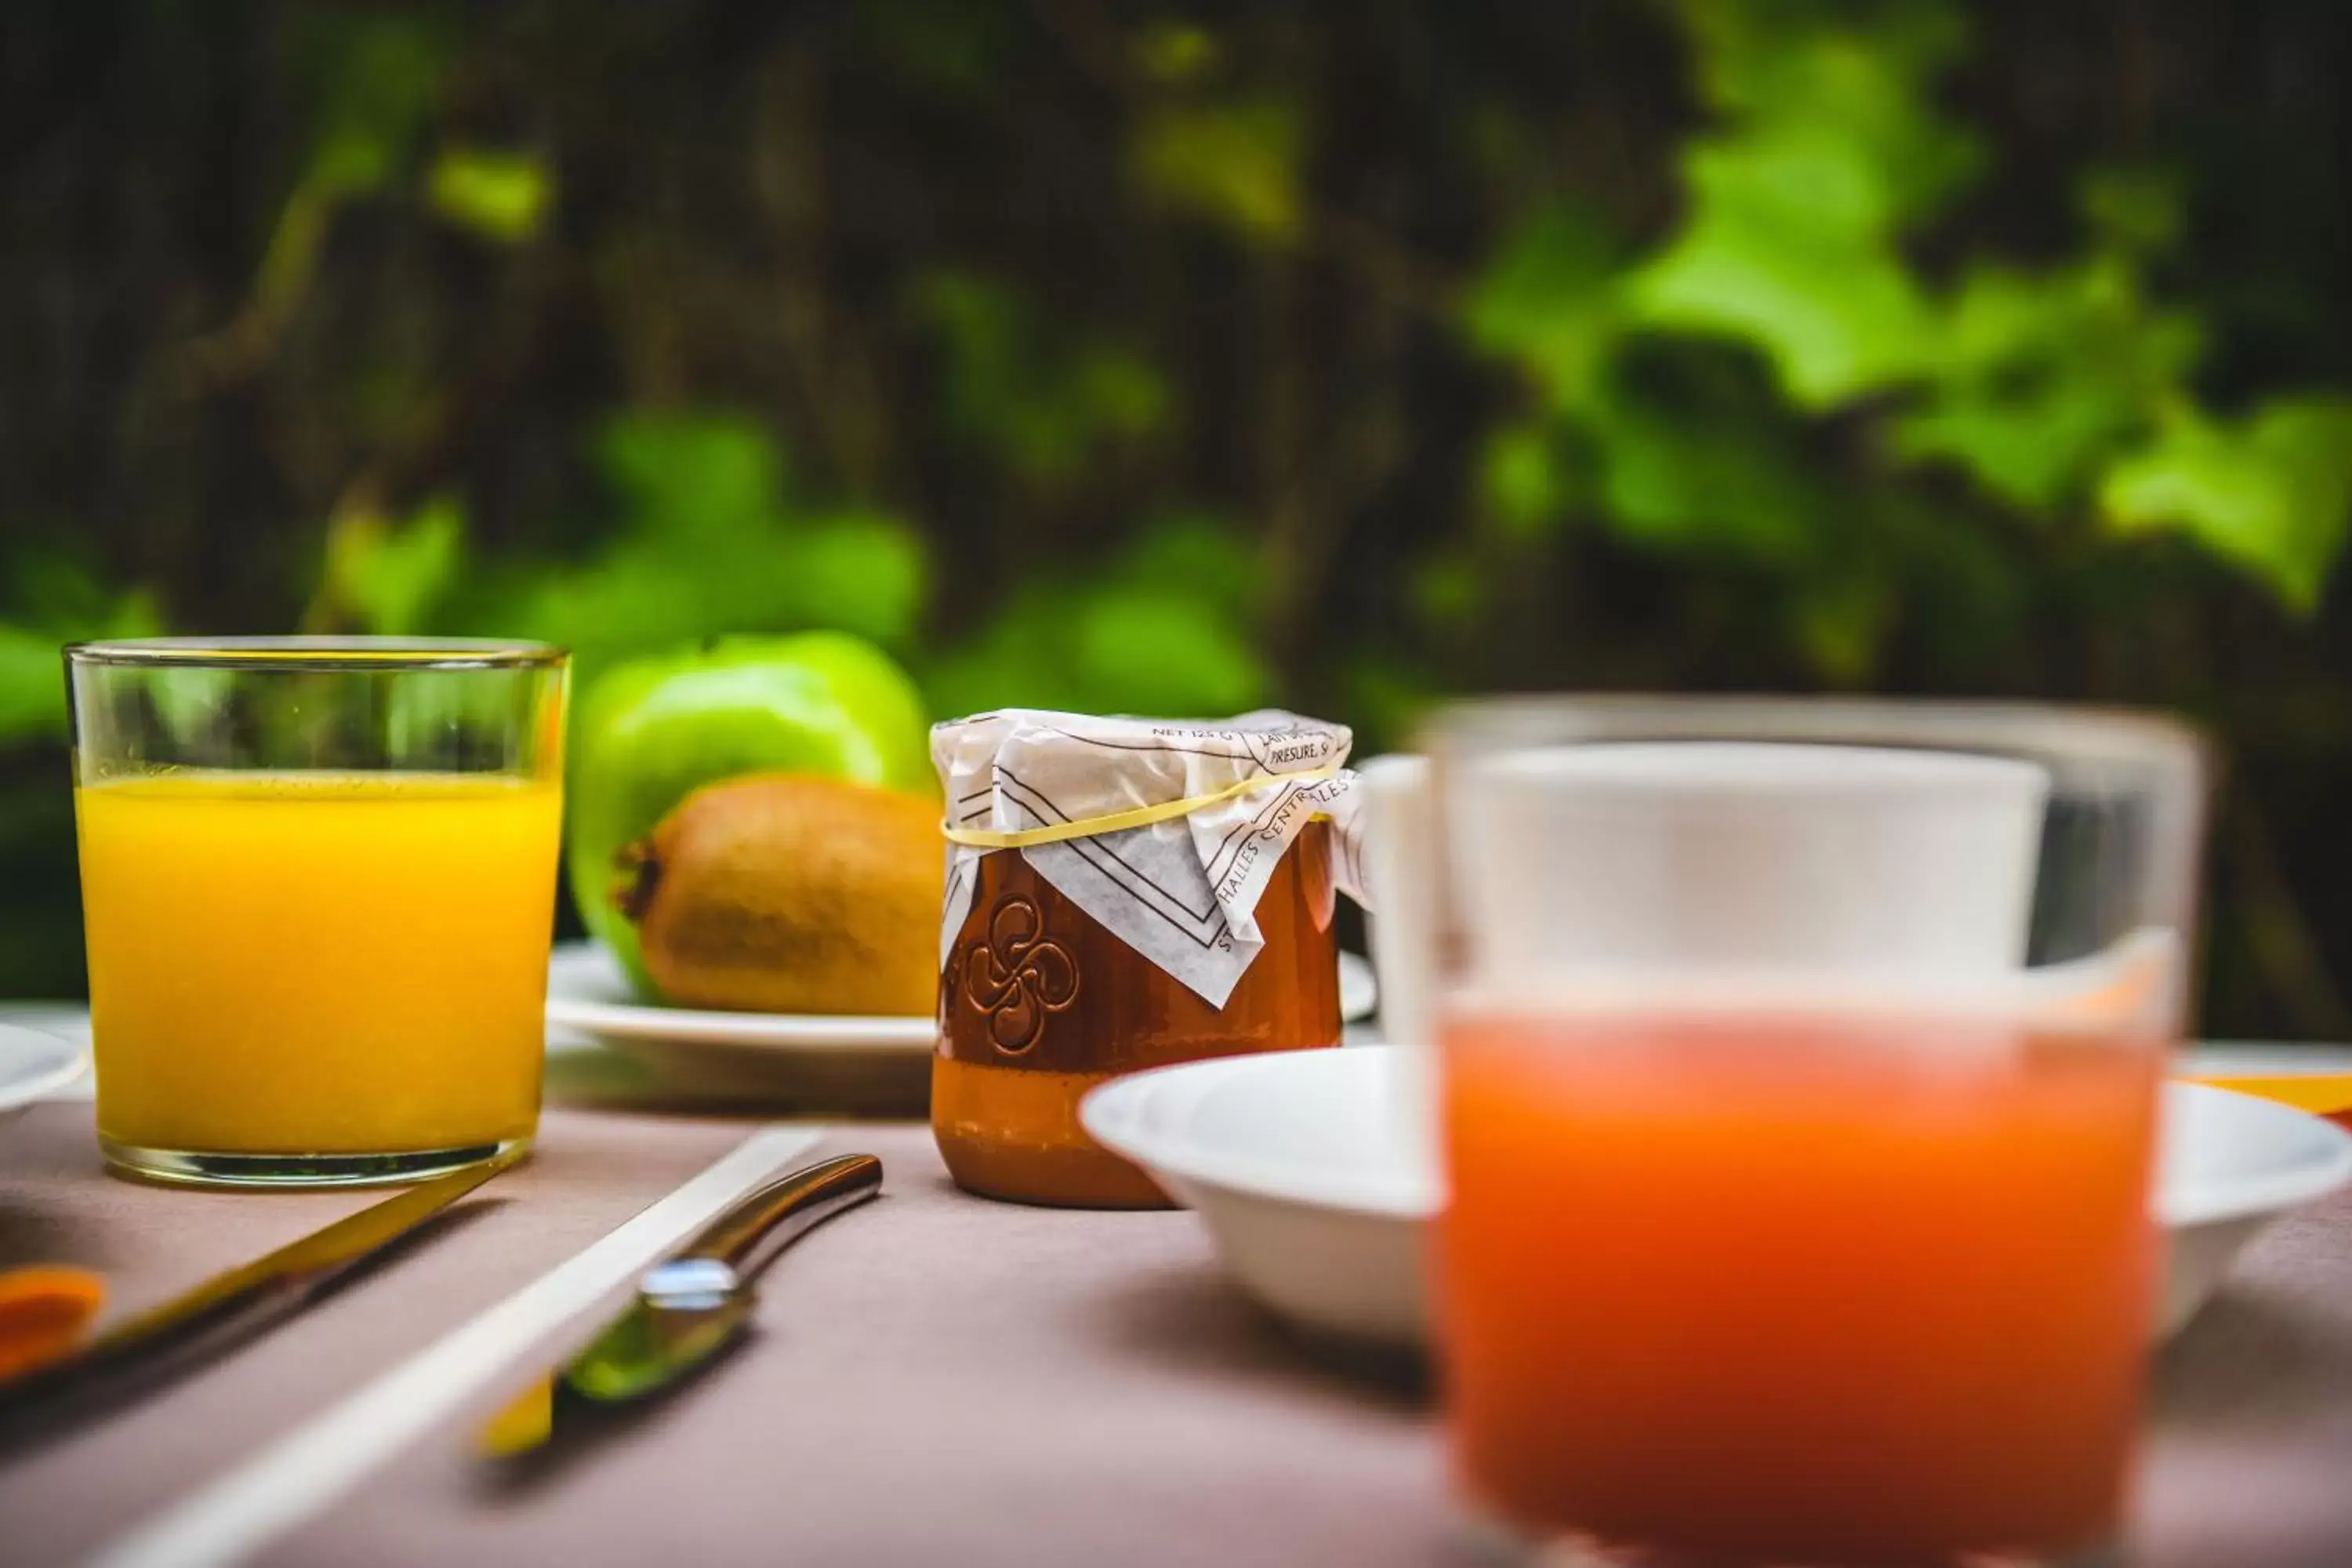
x: 1798, y: 1075
x: 318, y: 887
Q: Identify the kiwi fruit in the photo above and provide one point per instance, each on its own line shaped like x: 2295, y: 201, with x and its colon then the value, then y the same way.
x: 790, y: 893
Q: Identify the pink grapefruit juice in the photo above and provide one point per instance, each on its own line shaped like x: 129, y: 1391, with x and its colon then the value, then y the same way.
x: 1792, y: 1287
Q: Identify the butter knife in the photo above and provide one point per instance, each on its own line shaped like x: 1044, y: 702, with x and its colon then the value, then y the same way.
x: 688, y: 1308
x: 224, y: 1310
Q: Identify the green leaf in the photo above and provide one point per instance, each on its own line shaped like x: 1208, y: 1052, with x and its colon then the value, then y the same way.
x: 1832, y: 148
x: 863, y: 575
x: 32, y: 662
x: 860, y: 572
x: 1837, y: 311
x: 1724, y: 485
x: 633, y: 599
x: 1156, y: 650
x: 2041, y: 378
x: 2271, y: 493
x: 1808, y: 71
x: 389, y: 579
x: 1235, y: 163
x: 501, y: 196
x: 1546, y: 299
x: 32, y: 684
x: 695, y: 477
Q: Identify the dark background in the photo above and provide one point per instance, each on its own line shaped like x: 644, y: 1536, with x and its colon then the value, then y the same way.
x: 1178, y: 359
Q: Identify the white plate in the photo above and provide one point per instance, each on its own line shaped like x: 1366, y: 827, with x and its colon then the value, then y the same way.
x: 1293, y: 1162
x: 587, y: 992
x: 33, y: 1066
x: 842, y: 1062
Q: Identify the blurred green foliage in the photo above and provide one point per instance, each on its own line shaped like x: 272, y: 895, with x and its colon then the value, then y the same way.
x: 1173, y: 359
x: 2064, y: 394
x: 2269, y: 492
x: 57, y: 604
x: 500, y: 196
x: 1042, y: 403
x: 1164, y: 627
x: 1236, y: 163
x: 707, y: 539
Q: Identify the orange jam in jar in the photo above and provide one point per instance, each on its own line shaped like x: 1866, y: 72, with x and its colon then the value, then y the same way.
x: 1124, y: 894
x: 1039, y: 1002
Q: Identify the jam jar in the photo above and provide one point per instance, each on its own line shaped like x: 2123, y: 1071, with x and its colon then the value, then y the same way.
x: 1125, y: 894
x: 1039, y: 1002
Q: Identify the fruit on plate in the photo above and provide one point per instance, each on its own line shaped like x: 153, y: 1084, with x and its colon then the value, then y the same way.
x: 788, y: 893
x: 652, y: 732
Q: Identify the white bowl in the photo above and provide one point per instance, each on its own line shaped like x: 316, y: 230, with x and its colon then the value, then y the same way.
x: 1294, y: 1161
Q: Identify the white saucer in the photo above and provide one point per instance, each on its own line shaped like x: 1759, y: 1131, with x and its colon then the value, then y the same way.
x: 764, y: 1055
x: 33, y: 1066
x: 1293, y: 1162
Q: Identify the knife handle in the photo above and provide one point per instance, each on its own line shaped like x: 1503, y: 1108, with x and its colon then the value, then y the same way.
x: 764, y: 1222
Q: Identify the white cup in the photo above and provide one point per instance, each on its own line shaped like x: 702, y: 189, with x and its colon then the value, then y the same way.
x: 1402, y: 873
x: 1620, y: 859
x: 1849, y: 860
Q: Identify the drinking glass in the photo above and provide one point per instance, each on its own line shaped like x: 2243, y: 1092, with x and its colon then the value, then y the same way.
x: 1799, y: 1069
x: 318, y: 889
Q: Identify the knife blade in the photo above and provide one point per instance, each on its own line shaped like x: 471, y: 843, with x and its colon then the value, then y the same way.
x: 689, y: 1306
x: 227, y: 1308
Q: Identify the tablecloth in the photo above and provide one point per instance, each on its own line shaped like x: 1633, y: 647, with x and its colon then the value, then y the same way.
x: 939, y: 1378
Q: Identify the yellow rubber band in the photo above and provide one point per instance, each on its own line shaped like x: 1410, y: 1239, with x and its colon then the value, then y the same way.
x: 1120, y: 821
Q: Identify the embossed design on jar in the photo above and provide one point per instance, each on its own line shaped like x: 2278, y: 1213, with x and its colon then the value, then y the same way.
x: 1018, y: 975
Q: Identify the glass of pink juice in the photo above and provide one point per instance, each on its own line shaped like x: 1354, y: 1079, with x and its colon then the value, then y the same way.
x: 1797, y: 1105
x: 1781, y: 1286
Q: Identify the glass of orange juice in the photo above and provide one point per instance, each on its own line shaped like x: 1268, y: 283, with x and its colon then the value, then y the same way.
x: 318, y: 891
x: 1798, y: 1068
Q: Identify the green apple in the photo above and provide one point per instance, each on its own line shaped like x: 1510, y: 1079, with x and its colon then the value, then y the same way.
x: 652, y: 732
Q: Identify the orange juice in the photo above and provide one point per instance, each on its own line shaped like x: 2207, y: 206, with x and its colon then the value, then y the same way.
x: 315, y: 962
x: 1788, y: 1288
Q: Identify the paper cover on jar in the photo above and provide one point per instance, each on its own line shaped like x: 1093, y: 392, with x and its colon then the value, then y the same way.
x: 1184, y: 890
